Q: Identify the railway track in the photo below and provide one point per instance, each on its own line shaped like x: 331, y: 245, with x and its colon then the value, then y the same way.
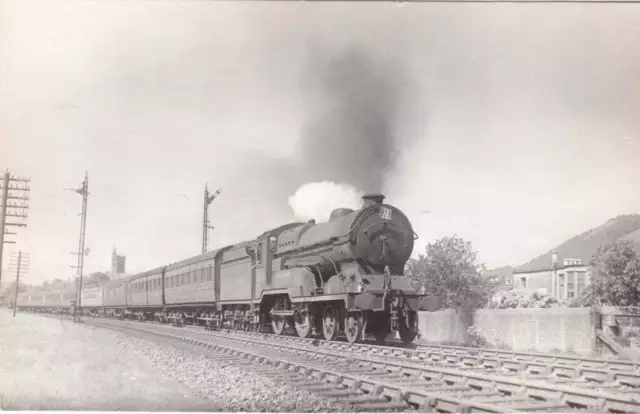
x: 616, y: 375
x: 384, y: 382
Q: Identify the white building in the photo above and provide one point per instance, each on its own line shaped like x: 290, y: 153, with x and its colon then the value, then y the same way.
x: 564, y: 280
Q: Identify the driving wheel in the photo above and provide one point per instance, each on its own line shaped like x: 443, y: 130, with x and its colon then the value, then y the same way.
x: 408, y: 327
x: 330, y: 324
x: 353, y: 324
x: 302, y: 323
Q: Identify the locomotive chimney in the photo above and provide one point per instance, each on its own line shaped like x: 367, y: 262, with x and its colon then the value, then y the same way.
x: 372, y: 199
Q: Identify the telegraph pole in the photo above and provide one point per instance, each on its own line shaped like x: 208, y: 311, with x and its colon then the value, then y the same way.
x: 20, y: 263
x: 82, y: 252
x: 208, y: 199
x: 13, y: 188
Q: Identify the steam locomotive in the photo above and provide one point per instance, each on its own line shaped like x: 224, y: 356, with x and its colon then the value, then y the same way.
x: 344, y: 275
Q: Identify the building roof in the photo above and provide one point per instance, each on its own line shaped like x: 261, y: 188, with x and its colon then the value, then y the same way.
x: 585, y: 245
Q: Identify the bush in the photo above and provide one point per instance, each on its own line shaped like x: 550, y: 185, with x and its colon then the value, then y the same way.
x: 618, y: 274
x: 513, y: 299
x: 476, y: 338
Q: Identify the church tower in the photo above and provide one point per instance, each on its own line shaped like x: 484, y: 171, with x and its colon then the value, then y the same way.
x: 117, y: 263
x: 113, y: 260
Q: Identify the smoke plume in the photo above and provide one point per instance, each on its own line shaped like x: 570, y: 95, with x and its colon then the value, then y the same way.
x: 350, y: 133
x: 318, y: 200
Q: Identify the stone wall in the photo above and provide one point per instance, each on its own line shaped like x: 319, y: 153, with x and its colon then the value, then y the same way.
x: 541, y: 330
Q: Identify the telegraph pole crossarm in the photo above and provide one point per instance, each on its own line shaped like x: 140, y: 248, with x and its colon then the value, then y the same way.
x: 19, y: 187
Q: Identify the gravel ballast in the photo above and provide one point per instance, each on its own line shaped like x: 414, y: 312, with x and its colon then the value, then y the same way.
x: 53, y: 364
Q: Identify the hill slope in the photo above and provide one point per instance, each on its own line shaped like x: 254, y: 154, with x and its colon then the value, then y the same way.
x: 583, y: 246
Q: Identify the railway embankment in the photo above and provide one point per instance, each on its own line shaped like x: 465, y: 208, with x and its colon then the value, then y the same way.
x: 49, y: 364
x: 52, y: 364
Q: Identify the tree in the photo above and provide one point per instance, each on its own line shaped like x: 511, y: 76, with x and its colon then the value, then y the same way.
x: 617, y: 281
x: 448, y: 269
x: 10, y: 291
x: 98, y: 277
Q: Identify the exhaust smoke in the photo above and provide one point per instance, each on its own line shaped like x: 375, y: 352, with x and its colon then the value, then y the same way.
x: 318, y: 200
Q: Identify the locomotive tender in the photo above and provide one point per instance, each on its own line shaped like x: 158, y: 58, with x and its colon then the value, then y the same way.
x: 344, y: 275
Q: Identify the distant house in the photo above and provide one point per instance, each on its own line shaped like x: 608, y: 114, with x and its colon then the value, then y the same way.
x: 564, y: 271
x: 500, y: 278
x: 562, y: 280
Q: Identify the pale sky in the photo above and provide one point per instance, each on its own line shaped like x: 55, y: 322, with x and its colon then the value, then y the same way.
x: 519, y: 128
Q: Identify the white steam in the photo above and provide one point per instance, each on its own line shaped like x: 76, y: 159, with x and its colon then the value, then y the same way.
x: 318, y: 200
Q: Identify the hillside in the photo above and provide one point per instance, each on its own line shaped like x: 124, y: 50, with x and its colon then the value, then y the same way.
x: 583, y: 246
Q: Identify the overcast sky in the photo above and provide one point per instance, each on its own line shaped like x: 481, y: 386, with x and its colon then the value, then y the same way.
x: 517, y: 125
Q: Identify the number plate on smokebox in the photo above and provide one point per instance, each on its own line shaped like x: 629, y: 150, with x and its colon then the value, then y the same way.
x: 385, y: 213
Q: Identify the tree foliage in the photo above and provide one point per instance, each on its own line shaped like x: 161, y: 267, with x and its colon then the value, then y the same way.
x: 449, y: 270
x: 98, y: 277
x: 617, y: 281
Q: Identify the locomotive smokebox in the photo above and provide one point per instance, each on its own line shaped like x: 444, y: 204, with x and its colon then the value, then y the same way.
x: 372, y: 199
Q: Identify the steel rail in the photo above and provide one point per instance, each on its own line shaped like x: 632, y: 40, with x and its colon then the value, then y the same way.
x: 421, y: 352
x: 584, y: 372
x: 329, y: 379
x: 505, y: 392
x: 591, y: 373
